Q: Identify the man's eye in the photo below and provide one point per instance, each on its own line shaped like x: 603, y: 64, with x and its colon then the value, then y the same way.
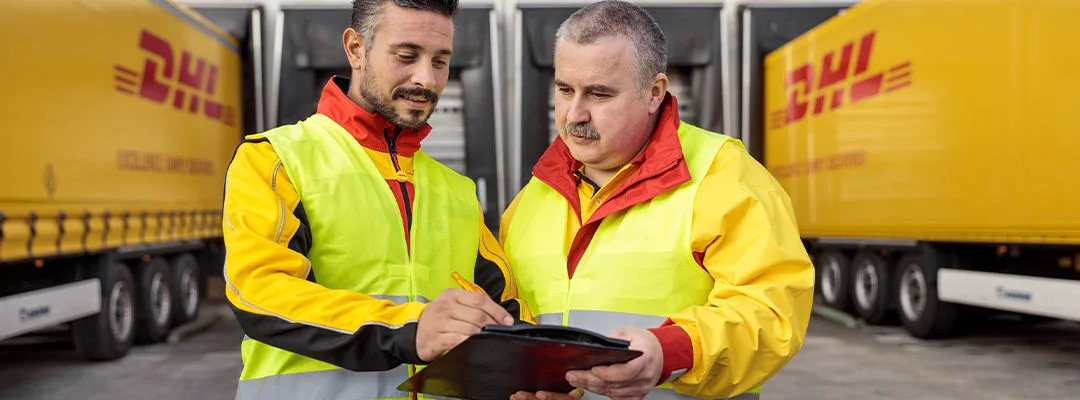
x: 566, y: 91
x: 406, y: 57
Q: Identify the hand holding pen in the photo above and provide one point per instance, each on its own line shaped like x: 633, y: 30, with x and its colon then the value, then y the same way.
x: 455, y: 315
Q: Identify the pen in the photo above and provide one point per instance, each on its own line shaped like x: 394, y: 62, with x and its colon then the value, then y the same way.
x: 472, y: 287
x: 465, y: 284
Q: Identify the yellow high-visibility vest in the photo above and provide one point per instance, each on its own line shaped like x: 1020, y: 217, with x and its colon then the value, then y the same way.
x: 359, y: 245
x: 637, y: 270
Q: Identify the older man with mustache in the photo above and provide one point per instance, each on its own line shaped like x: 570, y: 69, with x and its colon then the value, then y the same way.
x: 642, y: 226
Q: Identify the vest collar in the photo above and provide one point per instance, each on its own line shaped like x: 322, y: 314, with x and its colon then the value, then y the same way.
x: 371, y: 130
x: 662, y: 167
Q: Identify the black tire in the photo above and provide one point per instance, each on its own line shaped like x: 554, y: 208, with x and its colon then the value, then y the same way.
x: 921, y: 312
x: 153, y: 311
x: 873, y: 292
x: 834, y: 269
x: 108, y: 335
x: 186, y: 288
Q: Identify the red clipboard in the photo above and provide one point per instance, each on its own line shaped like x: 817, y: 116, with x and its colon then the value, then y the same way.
x: 502, y: 360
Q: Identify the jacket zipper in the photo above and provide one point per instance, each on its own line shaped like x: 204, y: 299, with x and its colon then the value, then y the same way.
x: 391, y: 143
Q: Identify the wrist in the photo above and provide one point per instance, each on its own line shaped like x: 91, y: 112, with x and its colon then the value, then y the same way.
x: 678, y: 352
x: 408, y: 345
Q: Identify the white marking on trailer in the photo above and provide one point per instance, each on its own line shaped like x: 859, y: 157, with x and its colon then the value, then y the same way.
x: 1055, y: 298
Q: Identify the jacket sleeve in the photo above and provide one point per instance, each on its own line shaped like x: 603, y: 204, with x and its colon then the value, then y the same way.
x: 494, y: 275
x: 745, y: 235
x: 269, y: 281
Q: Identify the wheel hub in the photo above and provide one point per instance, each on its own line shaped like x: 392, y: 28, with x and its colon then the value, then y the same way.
x: 913, y: 292
x: 121, y: 311
x: 830, y: 280
x: 189, y: 292
x: 867, y: 285
x: 160, y: 302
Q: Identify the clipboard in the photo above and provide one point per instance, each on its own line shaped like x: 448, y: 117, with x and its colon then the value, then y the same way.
x: 502, y: 360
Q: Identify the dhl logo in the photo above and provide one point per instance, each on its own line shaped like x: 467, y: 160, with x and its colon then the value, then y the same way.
x: 194, y: 78
x: 834, y: 72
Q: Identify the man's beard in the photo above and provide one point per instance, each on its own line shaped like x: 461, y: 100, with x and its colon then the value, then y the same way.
x: 382, y: 103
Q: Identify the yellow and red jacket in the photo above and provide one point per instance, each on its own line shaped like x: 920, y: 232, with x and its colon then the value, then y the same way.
x: 743, y: 234
x: 271, y: 287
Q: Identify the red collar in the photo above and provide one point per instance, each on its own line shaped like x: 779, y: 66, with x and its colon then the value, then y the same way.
x: 662, y: 167
x: 371, y: 130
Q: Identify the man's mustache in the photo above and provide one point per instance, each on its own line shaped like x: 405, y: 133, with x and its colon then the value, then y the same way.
x: 417, y: 92
x: 582, y: 130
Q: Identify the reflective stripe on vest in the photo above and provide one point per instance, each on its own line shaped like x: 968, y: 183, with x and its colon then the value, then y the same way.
x: 334, y: 384
x: 345, y: 196
x: 601, y: 321
x: 639, y: 267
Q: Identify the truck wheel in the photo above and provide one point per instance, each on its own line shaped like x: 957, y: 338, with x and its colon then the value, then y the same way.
x: 186, y: 291
x: 108, y: 334
x: 873, y: 290
x: 154, y: 308
x: 835, y: 270
x: 923, y: 315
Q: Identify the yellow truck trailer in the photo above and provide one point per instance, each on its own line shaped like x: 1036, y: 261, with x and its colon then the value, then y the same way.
x: 930, y: 149
x: 120, y: 119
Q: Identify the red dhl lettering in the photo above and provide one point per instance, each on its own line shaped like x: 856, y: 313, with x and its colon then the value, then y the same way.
x: 191, y: 85
x: 830, y: 88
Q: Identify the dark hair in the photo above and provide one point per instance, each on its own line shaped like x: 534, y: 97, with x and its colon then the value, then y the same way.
x: 365, y: 15
x: 610, y: 18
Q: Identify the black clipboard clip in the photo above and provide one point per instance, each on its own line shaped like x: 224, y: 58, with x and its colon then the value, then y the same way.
x: 502, y: 360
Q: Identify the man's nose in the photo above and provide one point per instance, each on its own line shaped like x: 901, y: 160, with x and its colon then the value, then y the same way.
x: 576, y: 111
x: 424, y: 76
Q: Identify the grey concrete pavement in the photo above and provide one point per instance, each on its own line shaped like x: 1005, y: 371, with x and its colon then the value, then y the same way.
x: 1004, y: 360
x: 1011, y: 362
x: 205, y: 366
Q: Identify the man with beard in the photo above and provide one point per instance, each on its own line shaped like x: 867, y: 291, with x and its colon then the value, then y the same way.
x: 644, y: 227
x: 346, y: 243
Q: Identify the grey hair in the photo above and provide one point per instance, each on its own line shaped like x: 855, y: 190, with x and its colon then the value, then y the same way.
x: 611, y: 18
x: 366, y: 13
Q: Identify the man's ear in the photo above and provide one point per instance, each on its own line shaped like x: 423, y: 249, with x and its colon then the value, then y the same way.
x: 354, y: 48
x: 657, y: 92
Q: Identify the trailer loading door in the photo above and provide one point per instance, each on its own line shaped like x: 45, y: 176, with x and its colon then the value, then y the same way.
x: 694, y: 34
x: 765, y: 28
x: 464, y: 121
x: 244, y: 22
